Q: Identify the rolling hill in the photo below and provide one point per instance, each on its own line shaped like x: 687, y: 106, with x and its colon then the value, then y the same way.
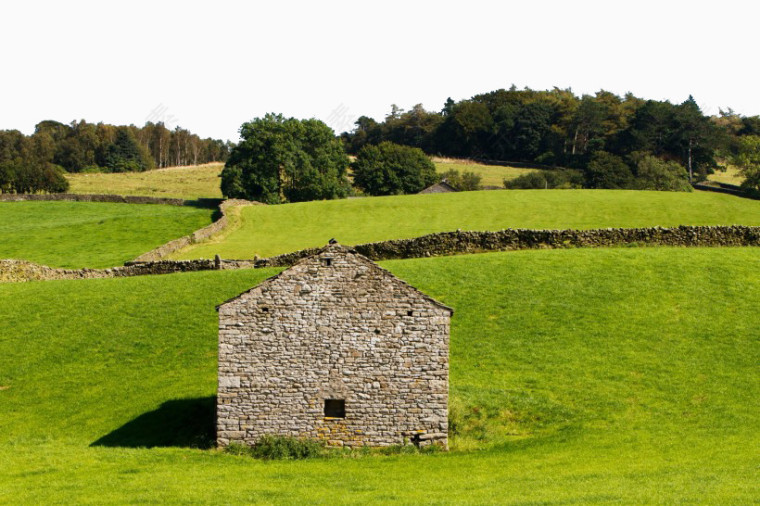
x: 271, y: 230
x: 89, y: 234
x: 577, y: 376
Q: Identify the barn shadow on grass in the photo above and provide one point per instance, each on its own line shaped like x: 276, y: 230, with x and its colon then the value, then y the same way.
x: 184, y: 423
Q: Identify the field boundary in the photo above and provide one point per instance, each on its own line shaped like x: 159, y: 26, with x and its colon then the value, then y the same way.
x: 467, y: 242
x: 108, y: 198
x: 162, y: 251
x: 438, y: 244
x: 517, y: 165
x: 199, y: 235
x: 728, y: 189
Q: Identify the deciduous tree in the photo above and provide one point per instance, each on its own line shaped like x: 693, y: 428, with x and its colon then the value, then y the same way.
x: 286, y: 160
x: 390, y: 169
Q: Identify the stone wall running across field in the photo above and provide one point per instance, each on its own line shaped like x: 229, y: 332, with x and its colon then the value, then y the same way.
x: 444, y: 243
x: 21, y: 270
x: 165, y: 249
x: 117, y: 199
x: 459, y: 242
x: 197, y: 236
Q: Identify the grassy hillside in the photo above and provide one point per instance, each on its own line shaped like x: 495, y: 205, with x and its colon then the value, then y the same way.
x: 271, y: 230
x: 87, y: 234
x: 492, y: 175
x: 731, y: 175
x: 577, y: 376
x: 203, y: 180
x: 175, y: 182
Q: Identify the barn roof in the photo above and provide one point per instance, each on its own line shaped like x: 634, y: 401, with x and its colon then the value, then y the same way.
x: 442, y: 186
x: 336, y: 248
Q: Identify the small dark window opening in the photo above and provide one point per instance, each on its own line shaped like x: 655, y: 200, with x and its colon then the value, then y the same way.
x: 410, y: 313
x: 335, y: 408
x: 327, y: 262
x: 377, y: 331
x: 265, y: 309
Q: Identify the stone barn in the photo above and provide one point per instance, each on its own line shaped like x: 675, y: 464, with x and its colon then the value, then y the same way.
x: 442, y: 186
x: 334, y: 348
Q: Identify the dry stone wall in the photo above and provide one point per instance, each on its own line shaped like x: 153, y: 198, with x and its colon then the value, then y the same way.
x: 165, y: 249
x: 444, y: 243
x: 334, y: 327
x: 119, y: 199
x: 459, y: 242
x: 20, y: 270
x: 197, y: 236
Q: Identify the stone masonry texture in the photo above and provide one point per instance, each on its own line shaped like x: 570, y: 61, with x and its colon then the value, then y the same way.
x: 335, y: 326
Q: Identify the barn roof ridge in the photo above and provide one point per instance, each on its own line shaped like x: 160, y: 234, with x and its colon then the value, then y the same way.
x: 335, y: 246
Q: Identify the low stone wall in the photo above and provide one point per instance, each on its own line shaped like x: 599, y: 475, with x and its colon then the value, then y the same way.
x: 519, y: 165
x: 444, y: 243
x: 21, y: 270
x: 450, y: 243
x: 165, y: 249
x: 729, y: 189
x: 119, y: 199
x: 197, y: 236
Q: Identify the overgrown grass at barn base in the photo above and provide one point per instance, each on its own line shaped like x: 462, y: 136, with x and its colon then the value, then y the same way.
x: 271, y: 447
x: 577, y: 376
x: 272, y: 230
x: 89, y: 234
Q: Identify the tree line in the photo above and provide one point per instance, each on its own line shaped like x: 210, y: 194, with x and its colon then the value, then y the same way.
x: 560, y: 129
x: 626, y: 144
x: 37, y: 162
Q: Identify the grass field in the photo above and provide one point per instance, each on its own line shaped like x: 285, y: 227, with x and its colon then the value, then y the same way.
x: 492, y: 175
x: 201, y: 181
x: 87, y: 234
x: 731, y: 176
x: 577, y: 376
x: 192, y: 182
x: 271, y: 230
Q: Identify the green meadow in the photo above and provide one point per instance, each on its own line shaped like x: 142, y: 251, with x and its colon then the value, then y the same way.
x: 190, y: 182
x: 491, y: 175
x: 577, y: 376
x: 199, y: 181
x: 272, y: 230
x: 89, y: 234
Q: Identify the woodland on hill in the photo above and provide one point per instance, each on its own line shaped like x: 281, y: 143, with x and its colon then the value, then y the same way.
x: 591, y: 141
x: 557, y: 128
x: 36, y: 162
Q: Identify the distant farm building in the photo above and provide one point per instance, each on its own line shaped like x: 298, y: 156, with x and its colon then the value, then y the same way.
x: 442, y: 186
x: 334, y: 348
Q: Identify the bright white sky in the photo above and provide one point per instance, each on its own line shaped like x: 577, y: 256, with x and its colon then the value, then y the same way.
x: 209, y: 66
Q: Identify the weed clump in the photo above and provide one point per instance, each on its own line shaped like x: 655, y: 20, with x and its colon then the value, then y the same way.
x: 291, y: 448
x: 279, y: 448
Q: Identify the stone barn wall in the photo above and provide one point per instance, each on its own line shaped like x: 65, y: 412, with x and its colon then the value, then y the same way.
x: 346, y: 331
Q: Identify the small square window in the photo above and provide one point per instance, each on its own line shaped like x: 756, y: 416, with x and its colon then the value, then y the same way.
x: 335, y: 408
x: 327, y: 261
x: 410, y: 313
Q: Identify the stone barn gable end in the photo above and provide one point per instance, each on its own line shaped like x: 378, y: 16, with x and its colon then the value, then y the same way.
x: 334, y: 348
x: 442, y: 186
